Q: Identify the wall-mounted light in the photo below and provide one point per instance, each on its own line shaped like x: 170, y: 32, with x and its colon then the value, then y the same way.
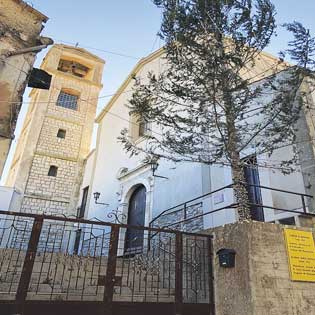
x: 154, y: 166
x: 96, y: 197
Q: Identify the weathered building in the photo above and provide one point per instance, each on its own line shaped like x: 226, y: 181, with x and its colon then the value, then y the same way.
x: 20, y: 41
x: 56, y: 135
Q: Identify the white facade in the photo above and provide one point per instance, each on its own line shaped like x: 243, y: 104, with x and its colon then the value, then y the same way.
x: 115, y: 175
x: 9, y: 199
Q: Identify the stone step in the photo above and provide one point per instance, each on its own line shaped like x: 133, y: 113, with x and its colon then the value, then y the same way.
x: 143, y: 298
x: 124, y: 290
x: 90, y: 278
x: 75, y: 268
x: 88, y: 288
x: 15, y: 256
x: 99, y: 297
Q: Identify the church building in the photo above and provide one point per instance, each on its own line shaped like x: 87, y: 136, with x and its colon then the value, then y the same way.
x: 130, y: 190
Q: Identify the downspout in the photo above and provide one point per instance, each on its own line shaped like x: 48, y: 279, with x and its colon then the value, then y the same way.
x: 46, y: 42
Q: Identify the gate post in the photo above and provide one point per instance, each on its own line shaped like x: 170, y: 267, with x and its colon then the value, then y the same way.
x: 211, y: 276
x: 28, y: 265
x: 179, y: 274
x: 111, y: 270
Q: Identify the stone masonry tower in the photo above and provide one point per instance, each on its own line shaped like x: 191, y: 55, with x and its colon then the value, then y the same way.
x: 56, y: 136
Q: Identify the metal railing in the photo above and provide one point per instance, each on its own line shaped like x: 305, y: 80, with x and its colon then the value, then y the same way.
x: 178, y: 224
x: 41, y: 259
x: 185, y: 205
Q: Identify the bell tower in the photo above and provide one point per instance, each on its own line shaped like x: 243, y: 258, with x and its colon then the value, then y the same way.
x: 57, y: 132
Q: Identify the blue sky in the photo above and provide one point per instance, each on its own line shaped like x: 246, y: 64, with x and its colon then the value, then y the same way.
x: 129, y: 27
x: 125, y: 26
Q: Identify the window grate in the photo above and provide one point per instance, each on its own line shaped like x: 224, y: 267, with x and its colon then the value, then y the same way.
x: 67, y: 100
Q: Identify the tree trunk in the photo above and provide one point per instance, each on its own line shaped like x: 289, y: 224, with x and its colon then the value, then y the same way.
x: 238, y: 177
x: 240, y: 191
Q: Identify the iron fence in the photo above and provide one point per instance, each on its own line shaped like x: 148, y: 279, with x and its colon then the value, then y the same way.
x: 55, y: 259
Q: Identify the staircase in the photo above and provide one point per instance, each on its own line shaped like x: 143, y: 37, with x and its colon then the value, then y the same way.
x: 58, y: 280
x: 61, y: 277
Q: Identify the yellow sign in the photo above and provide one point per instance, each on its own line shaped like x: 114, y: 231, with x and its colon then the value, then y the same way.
x: 301, y: 252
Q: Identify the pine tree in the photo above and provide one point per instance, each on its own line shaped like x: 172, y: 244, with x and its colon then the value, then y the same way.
x: 203, y: 104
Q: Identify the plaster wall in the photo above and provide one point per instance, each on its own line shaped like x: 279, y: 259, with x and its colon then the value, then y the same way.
x: 111, y: 159
x: 10, y: 199
x: 183, y: 181
x: 306, y: 145
x: 6, y: 195
x: 86, y: 180
x: 115, y: 172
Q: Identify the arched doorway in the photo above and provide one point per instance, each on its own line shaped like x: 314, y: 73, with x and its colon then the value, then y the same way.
x: 136, y: 217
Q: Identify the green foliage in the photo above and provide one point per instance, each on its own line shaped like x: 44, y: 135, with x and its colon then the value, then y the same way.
x: 202, y: 105
x: 302, y: 47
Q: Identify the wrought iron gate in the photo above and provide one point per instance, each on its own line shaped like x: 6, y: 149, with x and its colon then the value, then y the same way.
x: 61, y: 265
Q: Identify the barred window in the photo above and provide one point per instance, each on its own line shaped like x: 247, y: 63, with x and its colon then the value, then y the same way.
x: 67, y: 100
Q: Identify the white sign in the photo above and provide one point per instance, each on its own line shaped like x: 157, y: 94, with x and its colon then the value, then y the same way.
x: 218, y: 198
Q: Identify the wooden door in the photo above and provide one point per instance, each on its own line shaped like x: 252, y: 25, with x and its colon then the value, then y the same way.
x: 136, y: 217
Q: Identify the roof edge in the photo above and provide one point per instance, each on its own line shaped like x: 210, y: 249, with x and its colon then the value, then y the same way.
x: 28, y: 7
x: 79, y: 49
x: 137, y: 68
x: 120, y: 90
x: 90, y: 154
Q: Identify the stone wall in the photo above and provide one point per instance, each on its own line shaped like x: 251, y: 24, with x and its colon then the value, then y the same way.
x: 50, y: 144
x: 38, y: 205
x: 260, y: 282
x: 40, y: 146
x: 170, y: 218
x: 54, y: 187
x: 20, y: 26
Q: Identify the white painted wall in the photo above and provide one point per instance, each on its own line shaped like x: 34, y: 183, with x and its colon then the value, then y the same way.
x: 185, y: 180
x: 87, y: 178
x: 290, y: 182
x: 9, y: 199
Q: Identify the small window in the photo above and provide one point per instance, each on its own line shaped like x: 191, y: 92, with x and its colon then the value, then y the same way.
x: 143, y: 128
x: 67, y: 100
x: 61, y: 133
x: 139, y: 127
x: 53, y: 171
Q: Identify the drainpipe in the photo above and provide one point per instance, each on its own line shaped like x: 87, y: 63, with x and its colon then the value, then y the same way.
x: 46, y: 41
